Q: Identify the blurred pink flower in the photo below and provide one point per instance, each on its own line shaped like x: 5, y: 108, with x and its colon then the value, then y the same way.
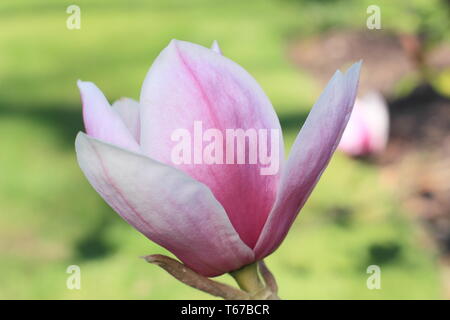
x: 214, y: 218
x: 368, y: 128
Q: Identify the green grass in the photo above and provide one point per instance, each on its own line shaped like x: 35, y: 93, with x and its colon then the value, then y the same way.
x: 51, y: 218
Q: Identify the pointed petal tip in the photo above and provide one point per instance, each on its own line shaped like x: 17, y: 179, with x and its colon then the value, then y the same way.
x: 81, y: 84
x: 79, y: 135
x: 186, y: 46
x: 84, y: 86
x: 355, y: 68
x: 177, y: 43
x: 175, y: 46
x: 215, y: 47
x: 80, y: 139
x: 91, y: 94
x: 337, y: 76
x: 325, y: 124
x: 352, y: 76
x: 171, y: 46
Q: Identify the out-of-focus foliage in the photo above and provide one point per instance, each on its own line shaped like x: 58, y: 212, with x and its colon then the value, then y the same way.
x: 424, y: 17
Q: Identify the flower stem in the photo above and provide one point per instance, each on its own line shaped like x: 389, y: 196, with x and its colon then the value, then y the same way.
x: 248, y: 279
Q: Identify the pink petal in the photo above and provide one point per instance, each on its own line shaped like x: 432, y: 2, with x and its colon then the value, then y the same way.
x: 189, y: 83
x: 101, y: 121
x: 368, y: 128
x: 356, y: 137
x: 376, y: 113
x: 165, y: 205
x: 129, y: 109
x: 309, y: 156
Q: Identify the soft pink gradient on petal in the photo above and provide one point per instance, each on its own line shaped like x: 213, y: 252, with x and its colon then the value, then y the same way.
x: 189, y: 83
x: 166, y: 205
x: 129, y: 109
x: 310, y: 154
x: 101, y: 121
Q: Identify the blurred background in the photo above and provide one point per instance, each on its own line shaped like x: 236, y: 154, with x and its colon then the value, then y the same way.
x: 390, y: 209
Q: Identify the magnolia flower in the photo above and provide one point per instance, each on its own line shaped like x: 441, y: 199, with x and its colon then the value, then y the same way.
x: 367, y: 130
x: 215, y: 218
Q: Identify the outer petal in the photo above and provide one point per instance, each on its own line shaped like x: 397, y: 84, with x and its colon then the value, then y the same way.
x: 189, y: 83
x: 101, y: 121
x: 129, y: 109
x: 165, y: 205
x: 309, y: 156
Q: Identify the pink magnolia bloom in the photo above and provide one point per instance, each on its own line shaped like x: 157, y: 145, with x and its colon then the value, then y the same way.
x: 214, y: 218
x: 367, y: 130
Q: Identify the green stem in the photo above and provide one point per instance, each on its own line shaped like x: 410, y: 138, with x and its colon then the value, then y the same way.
x: 248, y: 278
